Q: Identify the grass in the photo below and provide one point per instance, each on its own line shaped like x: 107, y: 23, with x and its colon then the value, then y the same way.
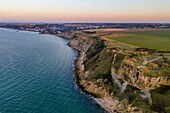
x: 159, y: 39
x: 161, y: 99
x: 160, y: 33
x: 118, y: 61
x: 104, y: 61
x: 99, y: 60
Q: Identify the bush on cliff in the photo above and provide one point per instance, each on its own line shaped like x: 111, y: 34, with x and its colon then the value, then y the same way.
x: 161, y: 99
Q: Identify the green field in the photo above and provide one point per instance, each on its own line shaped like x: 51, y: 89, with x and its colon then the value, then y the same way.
x: 158, y: 39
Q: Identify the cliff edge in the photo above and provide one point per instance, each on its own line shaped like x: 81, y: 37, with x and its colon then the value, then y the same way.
x: 122, y: 78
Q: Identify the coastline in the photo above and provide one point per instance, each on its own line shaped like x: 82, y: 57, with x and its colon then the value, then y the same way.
x: 78, y: 72
x: 77, y: 64
x: 84, y: 45
x: 107, y: 103
x: 79, y: 69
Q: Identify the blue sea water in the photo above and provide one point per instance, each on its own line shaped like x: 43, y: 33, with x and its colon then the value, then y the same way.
x: 37, y: 75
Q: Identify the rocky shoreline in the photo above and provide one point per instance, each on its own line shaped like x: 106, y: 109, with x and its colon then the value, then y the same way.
x: 106, y: 102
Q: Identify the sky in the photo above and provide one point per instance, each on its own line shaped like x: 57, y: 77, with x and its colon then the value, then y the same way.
x: 85, y: 11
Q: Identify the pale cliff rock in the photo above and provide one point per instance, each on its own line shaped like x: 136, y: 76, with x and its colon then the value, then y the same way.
x: 81, y: 43
x: 134, y: 76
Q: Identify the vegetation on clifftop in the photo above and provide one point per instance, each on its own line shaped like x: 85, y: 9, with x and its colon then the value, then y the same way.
x: 99, y: 60
x: 140, y: 68
x: 161, y: 99
x: 159, y: 39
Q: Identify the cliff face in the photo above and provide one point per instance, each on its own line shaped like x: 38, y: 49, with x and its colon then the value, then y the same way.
x: 67, y: 35
x: 81, y: 43
x: 134, y: 75
x: 120, y: 81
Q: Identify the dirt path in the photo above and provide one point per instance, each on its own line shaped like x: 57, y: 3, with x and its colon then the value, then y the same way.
x: 152, y: 60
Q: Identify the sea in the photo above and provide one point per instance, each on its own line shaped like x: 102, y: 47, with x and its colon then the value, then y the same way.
x: 37, y: 75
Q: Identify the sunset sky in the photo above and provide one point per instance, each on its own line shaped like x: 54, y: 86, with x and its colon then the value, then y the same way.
x: 84, y: 10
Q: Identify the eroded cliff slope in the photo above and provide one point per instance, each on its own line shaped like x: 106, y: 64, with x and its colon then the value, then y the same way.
x: 121, y: 77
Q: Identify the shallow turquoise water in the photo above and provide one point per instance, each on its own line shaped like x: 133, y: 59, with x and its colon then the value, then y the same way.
x: 37, y: 75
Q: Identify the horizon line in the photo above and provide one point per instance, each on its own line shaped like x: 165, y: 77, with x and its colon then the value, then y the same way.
x: 85, y: 22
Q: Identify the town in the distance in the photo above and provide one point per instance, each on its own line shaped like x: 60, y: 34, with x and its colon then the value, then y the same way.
x: 55, y: 28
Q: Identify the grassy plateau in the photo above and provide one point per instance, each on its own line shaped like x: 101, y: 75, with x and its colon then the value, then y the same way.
x: 153, y: 39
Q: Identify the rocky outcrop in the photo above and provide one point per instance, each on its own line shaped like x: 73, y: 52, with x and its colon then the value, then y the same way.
x: 134, y: 75
x: 80, y: 42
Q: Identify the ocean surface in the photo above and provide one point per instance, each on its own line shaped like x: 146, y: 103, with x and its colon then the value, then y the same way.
x: 37, y: 75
